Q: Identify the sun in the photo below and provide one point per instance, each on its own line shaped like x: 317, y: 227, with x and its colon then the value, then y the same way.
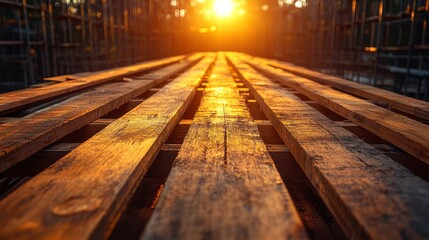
x: 223, y: 8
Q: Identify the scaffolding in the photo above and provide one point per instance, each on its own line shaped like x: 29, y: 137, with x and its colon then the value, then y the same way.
x: 379, y: 42
x: 41, y: 38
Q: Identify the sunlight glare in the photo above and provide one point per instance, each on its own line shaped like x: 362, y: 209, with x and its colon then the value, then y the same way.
x: 223, y: 8
x: 298, y: 4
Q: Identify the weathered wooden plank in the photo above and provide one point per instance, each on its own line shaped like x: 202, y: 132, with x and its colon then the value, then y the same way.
x: 176, y: 147
x: 171, y: 147
x: 410, y: 135
x: 370, y: 195
x: 7, y: 119
x: 403, y: 103
x: 67, y: 77
x: 22, y: 138
x: 277, y: 148
x: 25, y: 97
x: 228, y: 187
x: 82, y: 194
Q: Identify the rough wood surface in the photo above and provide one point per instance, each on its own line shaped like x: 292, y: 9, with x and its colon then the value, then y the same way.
x: 16, y: 99
x: 370, y: 195
x: 410, y: 135
x: 68, y: 77
x: 83, y: 193
x: 394, y: 100
x: 22, y: 138
x: 223, y: 184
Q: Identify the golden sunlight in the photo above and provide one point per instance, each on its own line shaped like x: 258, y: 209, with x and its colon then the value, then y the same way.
x: 223, y: 8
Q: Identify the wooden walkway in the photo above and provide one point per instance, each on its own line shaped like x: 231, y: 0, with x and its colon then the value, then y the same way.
x: 212, y: 146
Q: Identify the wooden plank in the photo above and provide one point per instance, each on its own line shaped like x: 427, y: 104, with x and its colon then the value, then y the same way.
x: 8, y: 119
x: 410, y: 135
x: 263, y: 122
x: 171, y: 147
x: 370, y: 195
x: 24, y: 137
x: 176, y: 147
x: 16, y: 99
x: 228, y: 187
x: 277, y: 148
x: 82, y: 194
x: 403, y: 103
x: 62, y: 147
x: 67, y: 77
x: 38, y: 85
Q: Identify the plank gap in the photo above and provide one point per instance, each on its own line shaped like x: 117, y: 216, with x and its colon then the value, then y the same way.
x: 364, y: 134
x: 413, y: 164
x: 192, y: 109
x: 36, y: 163
x: 84, y: 133
x: 317, y: 219
x: 27, y: 109
x: 178, y: 134
x: 255, y: 111
x: 140, y: 208
x: 269, y: 135
x: 9, y: 184
x: 119, y: 112
x: 422, y: 120
x: 4, y: 120
x: 328, y: 113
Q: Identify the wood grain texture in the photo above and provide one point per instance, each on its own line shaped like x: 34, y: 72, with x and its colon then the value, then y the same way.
x: 16, y: 99
x: 22, y: 138
x: 67, y: 77
x: 370, y: 195
x: 224, y: 184
x: 410, y: 135
x: 394, y: 100
x: 82, y: 194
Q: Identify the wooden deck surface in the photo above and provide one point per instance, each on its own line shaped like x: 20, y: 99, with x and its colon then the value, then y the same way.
x: 212, y: 146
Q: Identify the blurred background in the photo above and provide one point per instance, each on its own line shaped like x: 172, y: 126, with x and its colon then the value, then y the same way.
x: 379, y: 42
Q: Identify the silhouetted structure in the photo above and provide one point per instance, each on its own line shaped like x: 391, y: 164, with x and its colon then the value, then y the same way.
x: 383, y: 43
x: 380, y: 42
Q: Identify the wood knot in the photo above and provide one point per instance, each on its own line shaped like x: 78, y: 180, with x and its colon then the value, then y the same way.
x: 76, y: 205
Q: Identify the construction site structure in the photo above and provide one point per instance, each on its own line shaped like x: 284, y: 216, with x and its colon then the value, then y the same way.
x: 384, y: 43
x: 43, y: 38
x: 213, y: 146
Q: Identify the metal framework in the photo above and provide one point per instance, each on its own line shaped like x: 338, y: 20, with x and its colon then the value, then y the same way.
x: 40, y: 38
x: 380, y: 42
